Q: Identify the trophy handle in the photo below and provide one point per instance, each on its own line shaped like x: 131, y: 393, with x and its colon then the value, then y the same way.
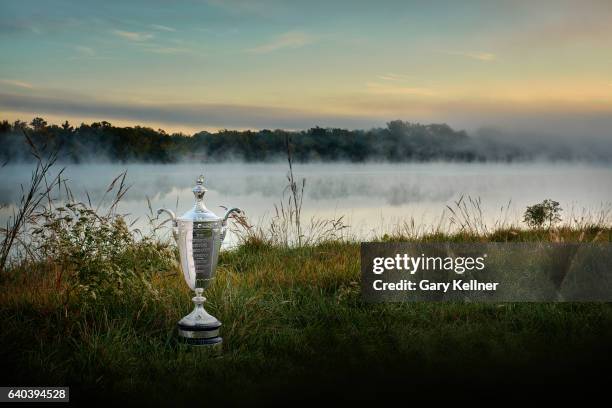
x: 174, y: 221
x: 225, y: 217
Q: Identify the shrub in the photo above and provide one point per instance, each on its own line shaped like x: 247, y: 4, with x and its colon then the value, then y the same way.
x: 98, y: 255
x: 546, y: 212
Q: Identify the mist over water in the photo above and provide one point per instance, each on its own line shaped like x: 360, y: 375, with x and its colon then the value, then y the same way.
x: 373, y: 198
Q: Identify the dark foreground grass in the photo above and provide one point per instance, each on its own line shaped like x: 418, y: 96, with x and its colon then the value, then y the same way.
x: 295, y: 329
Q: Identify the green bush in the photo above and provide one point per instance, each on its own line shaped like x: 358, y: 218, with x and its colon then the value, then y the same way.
x: 99, y: 257
x: 546, y: 212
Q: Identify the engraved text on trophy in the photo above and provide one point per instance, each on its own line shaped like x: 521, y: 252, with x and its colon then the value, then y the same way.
x: 202, y: 244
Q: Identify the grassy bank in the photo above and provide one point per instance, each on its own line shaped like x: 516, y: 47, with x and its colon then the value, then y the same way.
x: 294, y: 328
x: 87, y: 301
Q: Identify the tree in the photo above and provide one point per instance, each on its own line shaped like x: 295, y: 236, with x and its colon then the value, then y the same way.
x: 5, y: 126
x: 538, y: 215
x: 399, y: 141
x: 38, y: 123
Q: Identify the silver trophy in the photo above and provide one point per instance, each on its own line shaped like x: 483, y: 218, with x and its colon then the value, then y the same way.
x: 199, y: 234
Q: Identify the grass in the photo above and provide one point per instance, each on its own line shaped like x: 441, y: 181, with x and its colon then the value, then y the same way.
x: 294, y: 328
x: 87, y: 304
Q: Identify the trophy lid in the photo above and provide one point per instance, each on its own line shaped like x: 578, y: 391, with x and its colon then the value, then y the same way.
x: 199, y: 212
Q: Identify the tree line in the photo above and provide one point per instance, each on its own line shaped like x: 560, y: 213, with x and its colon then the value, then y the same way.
x: 398, y: 141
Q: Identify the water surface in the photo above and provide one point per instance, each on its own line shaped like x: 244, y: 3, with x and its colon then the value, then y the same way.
x: 373, y: 198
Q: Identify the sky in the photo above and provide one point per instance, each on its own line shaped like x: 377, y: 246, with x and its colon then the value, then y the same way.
x: 189, y: 65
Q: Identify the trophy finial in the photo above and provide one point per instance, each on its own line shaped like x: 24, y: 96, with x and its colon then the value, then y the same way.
x: 199, y: 190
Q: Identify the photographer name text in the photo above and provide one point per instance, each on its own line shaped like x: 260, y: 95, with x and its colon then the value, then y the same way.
x: 413, y: 264
x: 426, y: 285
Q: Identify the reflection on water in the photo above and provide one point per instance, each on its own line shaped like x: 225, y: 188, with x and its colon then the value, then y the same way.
x: 372, y: 197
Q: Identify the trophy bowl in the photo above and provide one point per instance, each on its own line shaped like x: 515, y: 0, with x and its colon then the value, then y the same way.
x: 198, y: 234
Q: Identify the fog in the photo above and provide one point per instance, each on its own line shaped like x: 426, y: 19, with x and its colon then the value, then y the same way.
x: 373, y: 198
x: 398, y: 141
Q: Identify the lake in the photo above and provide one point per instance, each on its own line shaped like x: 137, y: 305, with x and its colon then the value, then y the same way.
x: 374, y: 198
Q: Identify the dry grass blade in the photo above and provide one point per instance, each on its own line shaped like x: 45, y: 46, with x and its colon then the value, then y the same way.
x: 38, y: 191
x: 293, y: 213
x: 33, y: 149
x: 111, y: 186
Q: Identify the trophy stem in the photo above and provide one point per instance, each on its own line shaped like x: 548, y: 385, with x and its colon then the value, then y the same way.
x: 198, y: 299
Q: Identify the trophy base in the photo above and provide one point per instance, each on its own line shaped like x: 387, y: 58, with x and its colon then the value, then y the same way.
x: 216, y: 342
x: 201, y: 335
x: 199, y: 328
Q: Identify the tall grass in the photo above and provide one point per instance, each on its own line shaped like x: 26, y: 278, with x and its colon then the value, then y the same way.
x: 33, y: 199
x: 87, y: 250
x: 286, y: 228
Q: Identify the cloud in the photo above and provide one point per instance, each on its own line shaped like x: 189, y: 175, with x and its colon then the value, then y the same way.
x: 481, y: 56
x: 170, y: 50
x: 585, y: 22
x: 388, y: 89
x: 185, y: 114
x: 393, y: 77
x: 16, y: 83
x: 133, y: 35
x: 87, y: 51
x: 160, y: 27
x: 256, y: 7
x: 38, y: 23
x: 290, y: 40
x: 357, y: 111
x: 17, y: 26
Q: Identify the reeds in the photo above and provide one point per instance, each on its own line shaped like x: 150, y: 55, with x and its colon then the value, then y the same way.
x: 88, y: 248
x: 286, y: 227
x: 33, y: 197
